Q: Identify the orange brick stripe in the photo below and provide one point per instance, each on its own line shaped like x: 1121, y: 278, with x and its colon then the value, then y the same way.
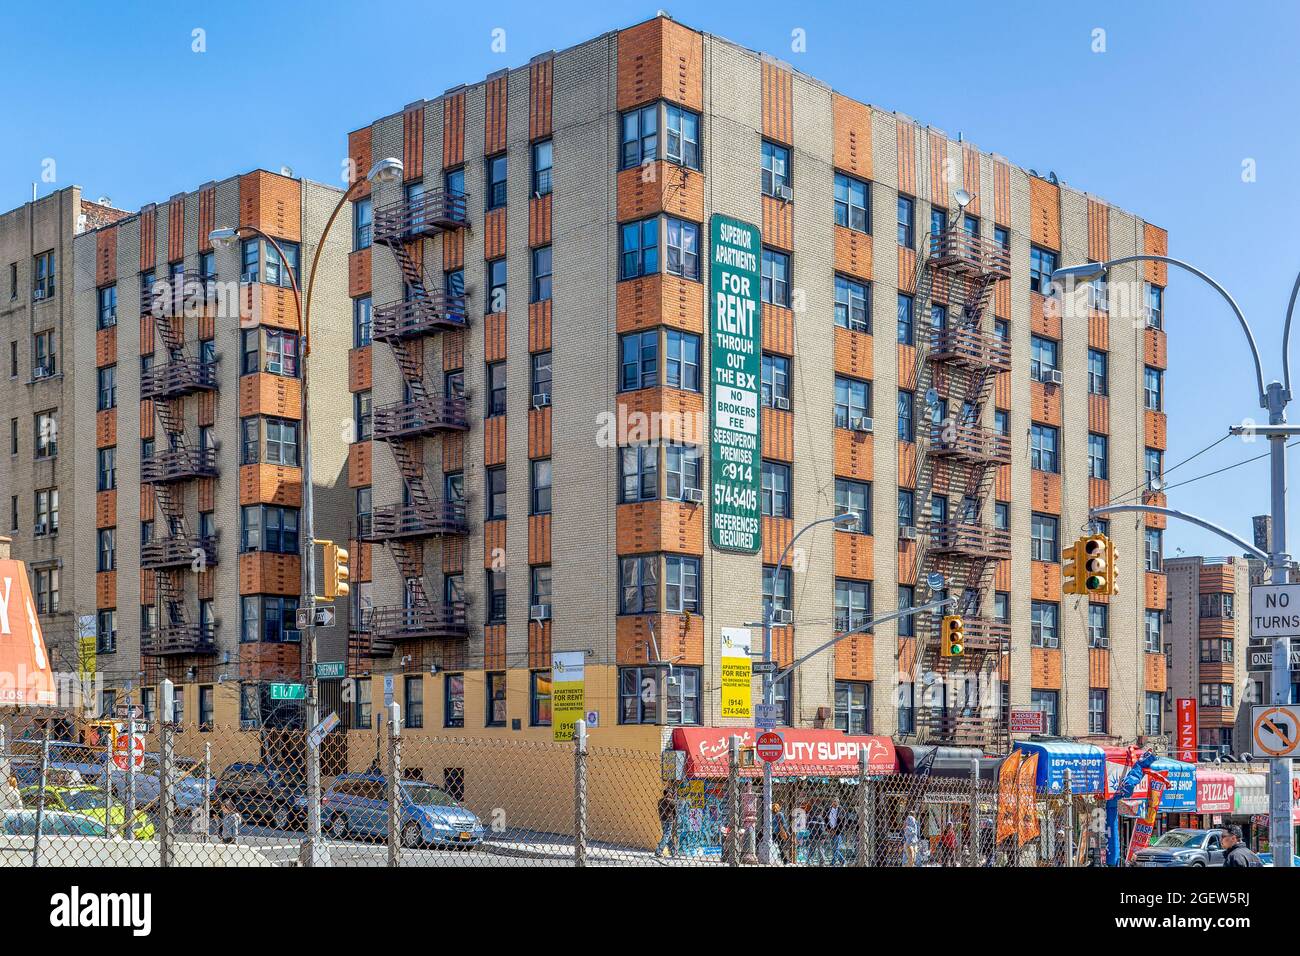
x: 176, y: 229
x: 906, y: 158
x: 778, y: 102
x: 413, y: 142
x: 106, y: 256
x: 970, y: 162
x: 453, y: 130
x: 148, y: 238
x: 1098, y: 231
x: 1001, y: 193
x: 852, y: 136
x: 1044, y: 213
x: 539, y: 99
x: 207, y: 217
x: 359, y: 152
x: 939, y: 185
x: 494, y: 129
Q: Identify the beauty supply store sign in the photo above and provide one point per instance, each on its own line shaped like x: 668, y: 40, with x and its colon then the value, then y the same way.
x: 734, y: 352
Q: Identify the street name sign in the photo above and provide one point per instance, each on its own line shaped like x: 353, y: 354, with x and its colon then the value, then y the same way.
x: 288, y: 692
x: 1275, y: 610
x: 327, y: 670
x: 735, y: 369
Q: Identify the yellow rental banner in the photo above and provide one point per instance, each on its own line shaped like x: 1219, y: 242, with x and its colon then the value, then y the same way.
x: 737, y: 673
x: 568, y: 700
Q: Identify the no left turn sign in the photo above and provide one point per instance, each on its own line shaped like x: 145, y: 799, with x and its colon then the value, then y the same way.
x: 1275, y: 730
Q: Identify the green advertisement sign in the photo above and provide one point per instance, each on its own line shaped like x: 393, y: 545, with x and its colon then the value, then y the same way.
x: 735, y: 358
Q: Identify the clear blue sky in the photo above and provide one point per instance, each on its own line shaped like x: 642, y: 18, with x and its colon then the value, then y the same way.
x: 114, y: 94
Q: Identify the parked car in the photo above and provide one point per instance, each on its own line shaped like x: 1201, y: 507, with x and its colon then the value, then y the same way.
x: 261, y: 793
x: 1183, y: 847
x: 1267, y: 859
x: 356, y: 804
x: 188, y: 775
x: 66, y: 758
x: 91, y: 802
x: 53, y: 823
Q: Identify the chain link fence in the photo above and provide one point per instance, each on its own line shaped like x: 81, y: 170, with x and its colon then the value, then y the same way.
x: 71, y: 794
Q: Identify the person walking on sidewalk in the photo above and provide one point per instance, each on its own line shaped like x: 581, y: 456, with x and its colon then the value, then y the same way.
x: 1238, y: 854
x: 911, y: 839
x: 667, y: 822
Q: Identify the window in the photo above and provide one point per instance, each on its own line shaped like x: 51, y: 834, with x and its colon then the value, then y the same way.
x: 361, y: 710
x: 906, y: 222
x: 205, y: 707
x: 496, y: 388
x: 496, y: 591
x: 854, y: 497
x: 1098, y: 374
x: 776, y: 589
x: 281, y: 442
x: 539, y: 699
x: 107, y: 387
x: 43, y: 275
x: 906, y: 430
x: 938, y: 221
x: 106, y: 549
x: 1154, y: 465
x: 853, y: 707
x: 1098, y: 625
x: 681, y: 471
x: 683, y: 136
x: 47, y: 511
x: 362, y: 220
x: 496, y: 300
x: 1043, y: 357
x: 638, y: 248
x: 639, y: 580
x: 1002, y: 236
x: 852, y: 203
x: 541, y: 487
x: 1098, y: 466
x: 1153, y: 621
x: 496, y: 699
x: 106, y: 631
x: 852, y: 604
x: 638, y: 473
x: 906, y: 325
x: 250, y: 450
x: 539, y: 586
x: 542, y: 160
x: 682, y: 368
x: 13, y: 280
x: 775, y: 279
x: 1043, y: 621
x: 1216, y: 695
x: 496, y: 181
x: 1002, y: 515
x: 905, y: 710
x: 1002, y: 422
x: 638, y: 695
x: 1217, y: 605
x: 852, y: 400
x: 640, y: 136
x: 1043, y: 536
x: 776, y: 171
x: 454, y: 183
x: 106, y: 470
x: 541, y: 377
x: 44, y: 355
x: 1153, y: 389
x: 1216, y: 650
x: 281, y: 350
x: 13, y: 513
x: 276, y: 272
x: 681, y: 584
x: 906, y: 508
x: 1098, y: 723
x: 906, y: 600
x: 1155, y: 306
x: 1042, y: 263
x: 1043, y: 441
x: 13, y: 359
x: 362, y: 321
x: 1154, y: 549
x: 683, y: 244
x: 775, y: 481
x: 362, y: 416
x: 270, y: 528
x: 108, y: 306
x: 640, y: 360
x: 775, y: 381
x: 541, y: 274
x: 1002, y: 607
x: 852, y: 305
x: 1151, y: 709
x: 495, y: 485
x: 13, y: 436
x: 47, y: 590
x: 1046, y: 701
x: 453, y: 701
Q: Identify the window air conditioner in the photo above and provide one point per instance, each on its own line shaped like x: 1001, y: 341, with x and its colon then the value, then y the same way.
x: 782, y: 616
x: 863, y: 424
x: 694, y: 495
x: 38, y: 295
x: 541, y: 400
x: 907, y: 532
x: 1052, y: 376
x: 540, y: 612
x: 784, y: 193
x: 782, y: 403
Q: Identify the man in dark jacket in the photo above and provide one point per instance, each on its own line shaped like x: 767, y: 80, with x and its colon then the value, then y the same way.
x: 1236, y: 852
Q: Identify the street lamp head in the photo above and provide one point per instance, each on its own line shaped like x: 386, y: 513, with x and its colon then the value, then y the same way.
x: 1080, y: 273
x: 223, y: 237
x: 847, y: 521
x: 387, y: 170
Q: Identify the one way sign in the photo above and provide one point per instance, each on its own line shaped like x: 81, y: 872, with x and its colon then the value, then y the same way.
x: 324, y: 616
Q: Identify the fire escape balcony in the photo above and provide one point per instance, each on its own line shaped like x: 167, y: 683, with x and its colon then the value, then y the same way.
x: 970, y: 443
x: 421, y: 416
x: 970, y: 540
x: 173, y: 639
x: 967, y: 346
x: 432, y: 520
x: 957, y: 250
x: 432, y: 212
x: 399, y: 623
x: 182, y: 464
x: 185, y: 293
x: 178, y: 552
x: 424, y: 314
x: 178, y: 378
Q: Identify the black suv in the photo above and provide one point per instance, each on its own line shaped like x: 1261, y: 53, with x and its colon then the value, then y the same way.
x: 261, y: 794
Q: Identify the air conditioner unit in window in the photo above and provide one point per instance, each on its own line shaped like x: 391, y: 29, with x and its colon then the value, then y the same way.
x: 863, y: 424
x: 1051, y: 642
x: 784, y: 193
x: 38, y: 295
x: 540, y: 612
x: 1052, y: 376
x: 694, y: 495
x: 782, y: 616
x: 782, y: 403
x: 541, y: 400
x: 275, y: 368
x: 907, y: 532
x: 41, y: 371
x: 41, y: 528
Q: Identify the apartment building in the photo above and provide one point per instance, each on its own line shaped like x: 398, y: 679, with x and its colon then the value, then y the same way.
x: 1207, y: 641
x: 534, y: 347
x: 36, y: 242
x: 195, y: 468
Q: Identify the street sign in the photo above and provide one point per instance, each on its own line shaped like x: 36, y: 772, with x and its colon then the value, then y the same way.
x: 1261, y: 658
x: 388, y: 691
x: 327, y: 670
x: 765, y: 716
x: 318, y: 732
x: 593, y: 719
x: 128, y: 750
x: 1275, y: 610
x: 1026, y: 722
x: 764, y: 667
x: 770, y: 746
x: 1275, y: 730
x: 288, y: 692
x: 324, y: 616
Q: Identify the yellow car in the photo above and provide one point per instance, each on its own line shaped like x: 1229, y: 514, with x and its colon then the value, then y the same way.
x: 89, y: 801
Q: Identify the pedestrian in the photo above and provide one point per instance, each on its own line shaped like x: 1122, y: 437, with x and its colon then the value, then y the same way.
x: 781, y: 831
x: 817, y: 842
x: 948, y: 845
x: 230, y: 822
x: 1238, y: 854
x: 911, y: 839
x: 667, y: 822
x: 835, y: 821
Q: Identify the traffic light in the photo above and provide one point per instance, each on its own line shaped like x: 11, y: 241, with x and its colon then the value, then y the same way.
x: 952, y: 641
x: 1072, y: 569
x: 336, y: 571
x: 1089, y: 566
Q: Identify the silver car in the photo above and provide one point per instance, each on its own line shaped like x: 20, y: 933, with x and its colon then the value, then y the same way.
x: 1183, y: 847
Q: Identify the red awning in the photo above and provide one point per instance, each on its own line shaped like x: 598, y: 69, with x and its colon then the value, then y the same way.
x: 1216, y: 791
x: 808, y: 753
x: 25, y: 674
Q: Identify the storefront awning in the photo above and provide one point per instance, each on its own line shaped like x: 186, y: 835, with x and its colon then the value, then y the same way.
x: 808, y: 753
x: 1251, y: 796
x: 1215, y: 791
x: 1086, y: 763
x: 1179, y: 798
x: 948, y: 761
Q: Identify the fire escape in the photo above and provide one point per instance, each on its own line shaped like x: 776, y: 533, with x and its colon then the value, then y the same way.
x: 957, y: 458
x: 423, y: 412
x: 175, y: 551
